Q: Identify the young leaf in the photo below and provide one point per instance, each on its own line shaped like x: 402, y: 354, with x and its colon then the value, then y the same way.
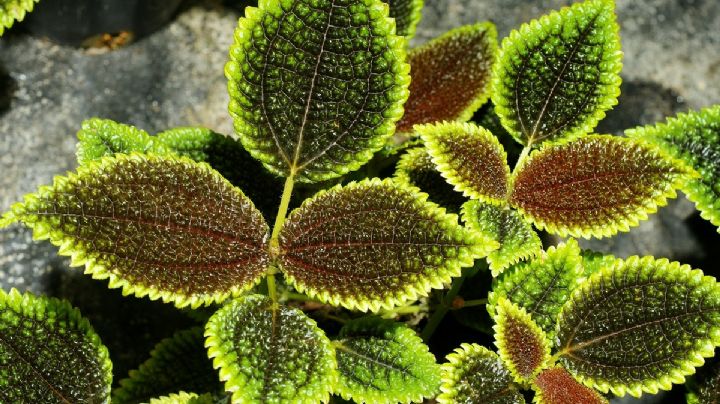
x: 49, y: 353
x: 416, y: 168
x: 474, y: 374
x: 595, y: 261
x: 165, y: 227
x: 270, y: 353
x: 470, y: 158
x: 522, y: 345
x: 103, y: 137
x: 595, y: 186
x: 517, y: 239
x: 374, y: 244
x: 450, y: 76
x: 695, y: 139
x: 639, y: 326
x: 557, y: 386
x: 381, y: 361
x: 316, y: 86
x: 14, y: 10
x: 542, y: 285
x: 407, y: 14
x: 556, y: 76
x: 178, y: 362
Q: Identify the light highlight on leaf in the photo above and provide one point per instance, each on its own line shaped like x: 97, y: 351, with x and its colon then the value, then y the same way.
x: 14, y: 10
x: 557, y: 386
x: 103, y: 137
x: 407, y: 14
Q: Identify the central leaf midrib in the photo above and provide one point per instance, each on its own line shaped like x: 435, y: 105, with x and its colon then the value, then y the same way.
x: 392, y: 367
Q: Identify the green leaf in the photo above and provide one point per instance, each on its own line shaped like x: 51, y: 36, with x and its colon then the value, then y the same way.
x: 450, y: 76
x: 557, y: 386
x: 639, y: 326
x: 416, y: 168
x: 374, y: 244
x: 706, y: 386
x: 182, y: 398
x: 103, y: 137
x: 694, y: 138
x: 381, y: 361
x: 516, y: 237
x: 178, y: 362
x: 14, y: 10
x: 542, y: 285
x: 595, y: 261
x: 269, y: 353
x: 556, y: 76
x: 487, y: 117
x: 407, y: 14
x: 165, y: 227
x: 474, y: 374
x: 522, y: 344
x: 316, y: 86
x: 470, y: 158
x: 49, y: 353
x: 595, y: 186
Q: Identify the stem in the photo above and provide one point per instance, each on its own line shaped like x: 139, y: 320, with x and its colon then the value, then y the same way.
x: 401, y: 310
x: 282, y: 211
x: 442, y: 309
x: 473, y: 302
x: 523, y: 156
x: 272, y: 290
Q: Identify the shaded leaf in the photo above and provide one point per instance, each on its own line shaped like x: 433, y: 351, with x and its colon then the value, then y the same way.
x: 516, y: 237
x: 706, y: 387
x: 416, y: 168
x: 269, y: 353
x: 474, y: 374
x: 407, y: 14
x: 639, y: 326
x: 694, y: 138
x: 450, y: 76
x: 14, y: 10
x: 165, y: 227
x: 470, y: 158
x: 316, y: 86
x: 557, y: 386
x: 487, y: 118
x: 382, y: 361
x: 374, y: 244
x: 98, y: 138
x: 556, y: 76
x: 595, y: 186
x: 49, y: 353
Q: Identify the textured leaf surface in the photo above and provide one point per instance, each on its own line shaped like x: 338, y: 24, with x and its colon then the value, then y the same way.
x: 181, y: 398
x: 542, y: 285
x: 516, y: 237
x: 487, y: 117
x: 595, y: 186
x: 407, y: 14
x: 381, y: 361
x: 49, y: 353
x: 103, y: 137
x: 176, y: 363
x: 474, y: 374
x: 374, y: 244
x: 557, y: 386
x: 165, y: 227
x: 450, y: 76
x: 416, y: 168
x: 470, y: 158
x: 556, y: 76
x: 595, y: 261
x: 13, y: 10
x: 270, y: 354
x: 316, y: 86
x: 522, y: 345
x: 639, y: 326
x: 694, y: 138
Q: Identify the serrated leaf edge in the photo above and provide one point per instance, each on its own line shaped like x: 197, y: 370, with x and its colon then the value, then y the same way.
x: 14, y: 11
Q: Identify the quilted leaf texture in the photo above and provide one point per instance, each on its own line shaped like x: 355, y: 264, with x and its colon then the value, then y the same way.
x: 557, y: 386
x: 14, y: 10
x: 316, y: 86
x: 407, y: 14
x: 160, y: 226
x: 98, y: 138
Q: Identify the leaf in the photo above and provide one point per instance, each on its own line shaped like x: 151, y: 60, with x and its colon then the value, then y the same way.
x: 178, y: 362
x: 557, y: 386
x: 556, y: 76
x: 417, y: 169
x: 381, y: 361
x: 487, y: 117
x: 639, y: 326
x: 316, y: 86
x: 49, y: 353
x: 542, y: 285
x: 103, y: 137
x: 595, y: 186
x: 14, y: 10
x: 374, y: 244
x: 706, y: 387
x: 450, y: 76
x: 182, y: 398
x: 694, y: 138
x: 522, y: 345
x: 474, y: 374
x: 595, y: 261
x: 470, y: 158
x: 164, y: 227
x: 269, y: 353
x: 407, y: 14
x: 517, y: 240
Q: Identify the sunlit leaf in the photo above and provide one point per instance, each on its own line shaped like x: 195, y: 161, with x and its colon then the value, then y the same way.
x: 374, y: 244
x: 407, y: 14
x: 474, y: 374
x: 269, y: 353
x: 182, y: 398
x: 470, y: 158
x: 165, y: 227
x: 557, y: 386
x: 516, y: 237
x: 556, y: 76
x: 382, y: 361
x: 639, y: 326
x: 595, y: 185
x: 49, y: 353
x: 450, y: 76
x: 695, y: 139
x: 594, y: 261
x: 416, y: 168
x: 103, y: 137
x: 316, y: 86
x: 14, y: 10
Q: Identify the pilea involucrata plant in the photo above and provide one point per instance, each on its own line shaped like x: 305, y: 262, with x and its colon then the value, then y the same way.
x: 317, y: 88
